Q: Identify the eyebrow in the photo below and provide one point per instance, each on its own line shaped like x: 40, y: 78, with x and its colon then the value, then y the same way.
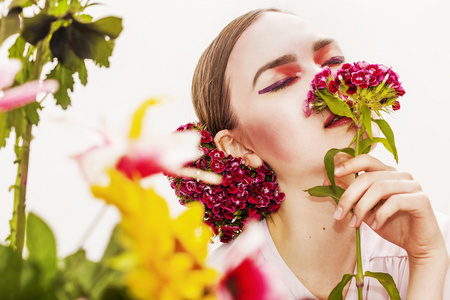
x: 282, y: 60
x: 322, y: 43
x: 288, y: 58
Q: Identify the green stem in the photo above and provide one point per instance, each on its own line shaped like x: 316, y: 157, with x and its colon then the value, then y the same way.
x: 23, y: 157
x: 21, y: 188
x: 359, y: 269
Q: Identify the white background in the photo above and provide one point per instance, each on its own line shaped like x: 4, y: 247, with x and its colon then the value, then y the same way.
x: 156, y: 55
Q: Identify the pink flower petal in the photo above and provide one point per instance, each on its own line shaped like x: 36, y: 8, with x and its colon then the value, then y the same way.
x: 245, y: 276
x: 8, y: 73
x: 24, y: 94
x: 140, y: 166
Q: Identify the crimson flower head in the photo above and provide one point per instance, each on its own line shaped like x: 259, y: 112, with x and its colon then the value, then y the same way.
x: 359, y: 84
x: 243, y: 194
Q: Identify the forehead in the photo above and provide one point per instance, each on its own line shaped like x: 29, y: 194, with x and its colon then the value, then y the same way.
x: 272, y: 35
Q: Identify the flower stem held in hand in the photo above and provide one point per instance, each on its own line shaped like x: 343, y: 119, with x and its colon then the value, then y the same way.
x: 356, y: 91
x: 359, y: 269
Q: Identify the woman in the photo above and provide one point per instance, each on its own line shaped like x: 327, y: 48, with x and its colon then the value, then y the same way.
x: 248, y: 89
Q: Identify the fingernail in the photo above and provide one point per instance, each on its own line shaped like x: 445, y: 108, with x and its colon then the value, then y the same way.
x: 338, y: 213
x: 338, y: 170
x: 353, y: 221
x: 374, y: 225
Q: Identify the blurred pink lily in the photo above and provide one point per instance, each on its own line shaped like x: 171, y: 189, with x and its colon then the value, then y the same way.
x: 140, y: 157
x: 245, y: 277
x: 23, y: 94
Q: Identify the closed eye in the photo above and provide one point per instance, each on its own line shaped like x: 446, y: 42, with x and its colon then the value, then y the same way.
x: 335, y: 60
x: 280, y: 84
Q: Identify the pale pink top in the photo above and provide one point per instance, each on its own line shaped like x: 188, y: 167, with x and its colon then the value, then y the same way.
x: 378, y: 255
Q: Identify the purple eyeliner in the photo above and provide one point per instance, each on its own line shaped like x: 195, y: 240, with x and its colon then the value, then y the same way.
x: 275, y: 85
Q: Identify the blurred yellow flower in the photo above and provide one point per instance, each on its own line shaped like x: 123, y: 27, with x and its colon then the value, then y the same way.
x: 167, y: 255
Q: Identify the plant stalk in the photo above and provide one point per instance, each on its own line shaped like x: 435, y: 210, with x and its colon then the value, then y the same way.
x: 23, y: 158
x: 21, y: 188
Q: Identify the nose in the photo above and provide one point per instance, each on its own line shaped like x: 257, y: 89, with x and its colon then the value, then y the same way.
x: 309, y: 71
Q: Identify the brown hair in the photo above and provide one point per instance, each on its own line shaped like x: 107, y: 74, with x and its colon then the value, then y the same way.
x: 210, y: 91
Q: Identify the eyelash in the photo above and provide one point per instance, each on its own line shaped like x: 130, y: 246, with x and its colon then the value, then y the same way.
x: 335, y: 60
x: 283, y: 83
x: 279, y: 85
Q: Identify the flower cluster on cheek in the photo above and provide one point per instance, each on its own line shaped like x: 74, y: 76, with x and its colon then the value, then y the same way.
x: 245, y: 193
x: 357, y: 84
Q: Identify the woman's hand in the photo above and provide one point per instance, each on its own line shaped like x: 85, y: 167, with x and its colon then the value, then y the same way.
x: 395, y: 207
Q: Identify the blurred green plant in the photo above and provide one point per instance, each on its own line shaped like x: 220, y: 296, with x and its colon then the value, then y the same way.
x: 52, y: 39
x: 60, y: 37
x: 42, y: 276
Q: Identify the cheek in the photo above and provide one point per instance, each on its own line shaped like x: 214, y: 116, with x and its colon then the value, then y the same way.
x: 274, y: 136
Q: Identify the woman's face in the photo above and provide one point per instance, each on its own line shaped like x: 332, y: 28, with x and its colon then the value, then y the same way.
x: 269, y: 74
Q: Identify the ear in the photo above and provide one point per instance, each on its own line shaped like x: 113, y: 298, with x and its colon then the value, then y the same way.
x: 226, y: 142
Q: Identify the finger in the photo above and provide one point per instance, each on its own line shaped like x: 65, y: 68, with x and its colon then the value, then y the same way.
x: 360, y: 163
x: 339, y: 183
x: 341, y: 157
x: 359, y: 187
x: 414, y: 204
x: 378, y: 191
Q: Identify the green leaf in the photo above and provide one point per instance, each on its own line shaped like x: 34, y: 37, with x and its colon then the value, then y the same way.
x: 65, y: 77
x: 21, y: 3
x: 110, y: 26
x: 366, y: 119
x: 62, y: 50
x: 87, y: 43
x: 5, y: 129
x: 37, y: 27
x: 17, y: 120
x: 31, y: 111
x: 336, y: 293
x: 82, y: 277
x: 18, y: 48
x: 329, y: 161
x: 22, y: 51
x: 61, y: 8
x: 114, y: 247
x: 115, y: 293
x: 389, y: 134
x: 41, y: 246
x: 366, y: 143
x: 78, y: 269
x: 337, y: 106
x: 327, y: 191
x: 82, y: 74
x: 21, y: 279
x: 387, y: 282
x: 10, y: 24
x: 10, y: 264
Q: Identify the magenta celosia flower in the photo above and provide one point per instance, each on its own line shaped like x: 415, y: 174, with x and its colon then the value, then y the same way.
x: 23, y: 94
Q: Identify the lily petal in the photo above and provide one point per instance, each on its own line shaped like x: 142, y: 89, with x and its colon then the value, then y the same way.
x: 8, y: 72
x: 165, y: 154
x: 24, y: 94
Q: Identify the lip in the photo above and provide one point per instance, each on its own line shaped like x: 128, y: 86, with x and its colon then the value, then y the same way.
x: 329, y: 119
x: 341, y: 122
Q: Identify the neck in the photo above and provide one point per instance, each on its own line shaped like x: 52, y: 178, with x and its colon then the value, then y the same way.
x: 317, y: 248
